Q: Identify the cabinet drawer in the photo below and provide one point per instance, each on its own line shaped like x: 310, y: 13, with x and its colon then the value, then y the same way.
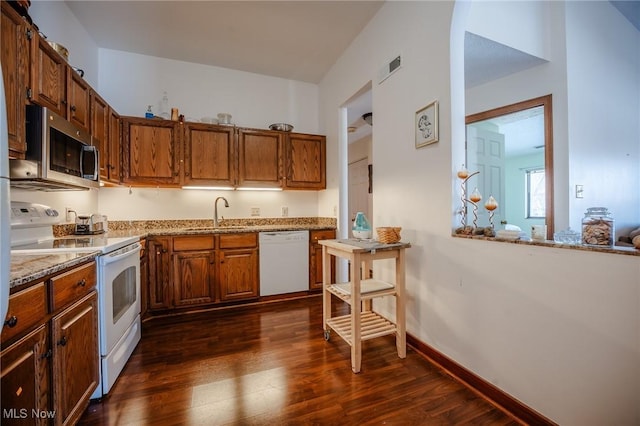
x: 238, y: 240
x: 26, y: 309
x: 204, y: 242
x: 70, y: 286
x: 316, y: 236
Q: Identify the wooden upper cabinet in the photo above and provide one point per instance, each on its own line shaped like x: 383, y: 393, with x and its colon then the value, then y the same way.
x: 114, y: 147
x: 150, y: 152
x: 78, y: 100
x: 209, y: 155
x: 261, y: 158
x: 306, y: 161
x: 100, y: 132
x: 15, y: 56
x: 48, y: 76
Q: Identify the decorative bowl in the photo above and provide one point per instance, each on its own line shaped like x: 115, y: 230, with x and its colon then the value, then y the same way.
x: 283, y: 127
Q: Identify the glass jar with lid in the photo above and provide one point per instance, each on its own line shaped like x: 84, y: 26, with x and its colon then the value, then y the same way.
x: 598, y: 227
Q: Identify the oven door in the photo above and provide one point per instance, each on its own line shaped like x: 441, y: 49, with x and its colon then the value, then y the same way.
x: 119, y: 294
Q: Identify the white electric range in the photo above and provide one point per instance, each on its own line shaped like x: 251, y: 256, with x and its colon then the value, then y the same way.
x: 118, y: 269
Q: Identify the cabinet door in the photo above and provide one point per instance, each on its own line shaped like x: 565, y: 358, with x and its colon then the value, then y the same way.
x: 114, y: 146
x: 306, y: 161
x: 75, y: 358
x: 149, y: 155
x: 100, y: 126
x: 209, y: 155
x: 159, y: 273
x: 25, y: 379
x: 48, y: 76
x: 238, y: 271
x: 78, y: 98
x: 194, y: 277
x: 14, y: 57
x: 315, y: 258
x: 261, y: 158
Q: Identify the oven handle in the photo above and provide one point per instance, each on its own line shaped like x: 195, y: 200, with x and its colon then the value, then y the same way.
x: 132, y: 250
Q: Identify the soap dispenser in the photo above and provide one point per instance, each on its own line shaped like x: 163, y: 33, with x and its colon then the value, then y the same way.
x: 361, y: 227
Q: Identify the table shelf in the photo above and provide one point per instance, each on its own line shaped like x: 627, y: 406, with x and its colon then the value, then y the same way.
x: 369, y: 289
x: 372, y: 325
x: 359, y: 324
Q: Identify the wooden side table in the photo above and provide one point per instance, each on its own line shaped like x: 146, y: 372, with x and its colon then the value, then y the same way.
x: 363, y: 324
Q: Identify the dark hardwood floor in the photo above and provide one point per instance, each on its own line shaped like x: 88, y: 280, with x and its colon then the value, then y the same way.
x: 269, y: 364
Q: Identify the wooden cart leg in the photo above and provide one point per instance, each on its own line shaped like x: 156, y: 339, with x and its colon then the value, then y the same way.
x: 401, y: 332
x: 356, y: 342
x: 326, y: 296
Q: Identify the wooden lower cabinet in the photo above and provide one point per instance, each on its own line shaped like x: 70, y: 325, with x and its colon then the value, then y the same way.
x: 315, y: 258
x: 194, y: 278
x: 159, y: 273
x: 75, y: 361
x: 238, y: 274
x: 201, y: 270
x: 50, y: 360
x: 25, y: 379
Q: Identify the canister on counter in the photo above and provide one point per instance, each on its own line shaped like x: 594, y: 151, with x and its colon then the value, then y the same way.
x: 598, y: 227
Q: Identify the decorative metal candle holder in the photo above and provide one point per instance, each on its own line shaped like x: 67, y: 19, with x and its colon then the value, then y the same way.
x: 474, y: 199
x: 491, y: 205
x: 463, y: 174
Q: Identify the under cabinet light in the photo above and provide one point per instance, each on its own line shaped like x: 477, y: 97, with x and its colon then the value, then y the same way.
x: 211, y: 188
x: 246, y: 188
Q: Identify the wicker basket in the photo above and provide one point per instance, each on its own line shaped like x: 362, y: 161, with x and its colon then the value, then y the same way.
x: 388, y: 234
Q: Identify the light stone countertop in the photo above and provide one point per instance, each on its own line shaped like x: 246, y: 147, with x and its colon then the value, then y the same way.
x: 31, y: 267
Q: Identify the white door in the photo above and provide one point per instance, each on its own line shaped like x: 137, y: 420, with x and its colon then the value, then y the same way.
x: 359, y: 189
x: 485, y: 153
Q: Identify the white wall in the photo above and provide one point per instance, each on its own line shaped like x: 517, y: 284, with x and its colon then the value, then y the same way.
x: 603, y: 67
x: 83, y: 51
x: 523, y: 25
x: 148, y: 203
x: 131, y: 81
x: 557, y: 329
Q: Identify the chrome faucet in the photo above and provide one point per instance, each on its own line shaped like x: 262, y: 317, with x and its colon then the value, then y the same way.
x: 215, y: 210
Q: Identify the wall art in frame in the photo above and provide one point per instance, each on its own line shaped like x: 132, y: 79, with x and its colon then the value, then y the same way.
x: 427, y: 125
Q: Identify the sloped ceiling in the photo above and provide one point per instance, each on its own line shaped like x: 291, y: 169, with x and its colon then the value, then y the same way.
x: 298, y: 40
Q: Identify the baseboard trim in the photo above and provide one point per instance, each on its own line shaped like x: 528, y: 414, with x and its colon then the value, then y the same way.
x: 498, y: 397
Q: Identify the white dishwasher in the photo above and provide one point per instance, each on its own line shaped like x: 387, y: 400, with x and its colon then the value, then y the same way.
x: 284, y: 262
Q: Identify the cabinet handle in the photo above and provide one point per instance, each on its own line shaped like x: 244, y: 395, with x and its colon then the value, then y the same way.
x: 82, y: 283
x: 164, y: 250
x: 63, y: 341
x: 73, y: 108
x: 47, y: 354
x: 63, y: 102
x: 221, y: 257
x: 11, y: 322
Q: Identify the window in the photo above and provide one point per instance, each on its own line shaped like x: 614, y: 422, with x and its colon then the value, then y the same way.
x: 535, y: 200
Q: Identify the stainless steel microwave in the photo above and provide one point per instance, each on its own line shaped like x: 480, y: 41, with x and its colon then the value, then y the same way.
x: 59, y: 155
